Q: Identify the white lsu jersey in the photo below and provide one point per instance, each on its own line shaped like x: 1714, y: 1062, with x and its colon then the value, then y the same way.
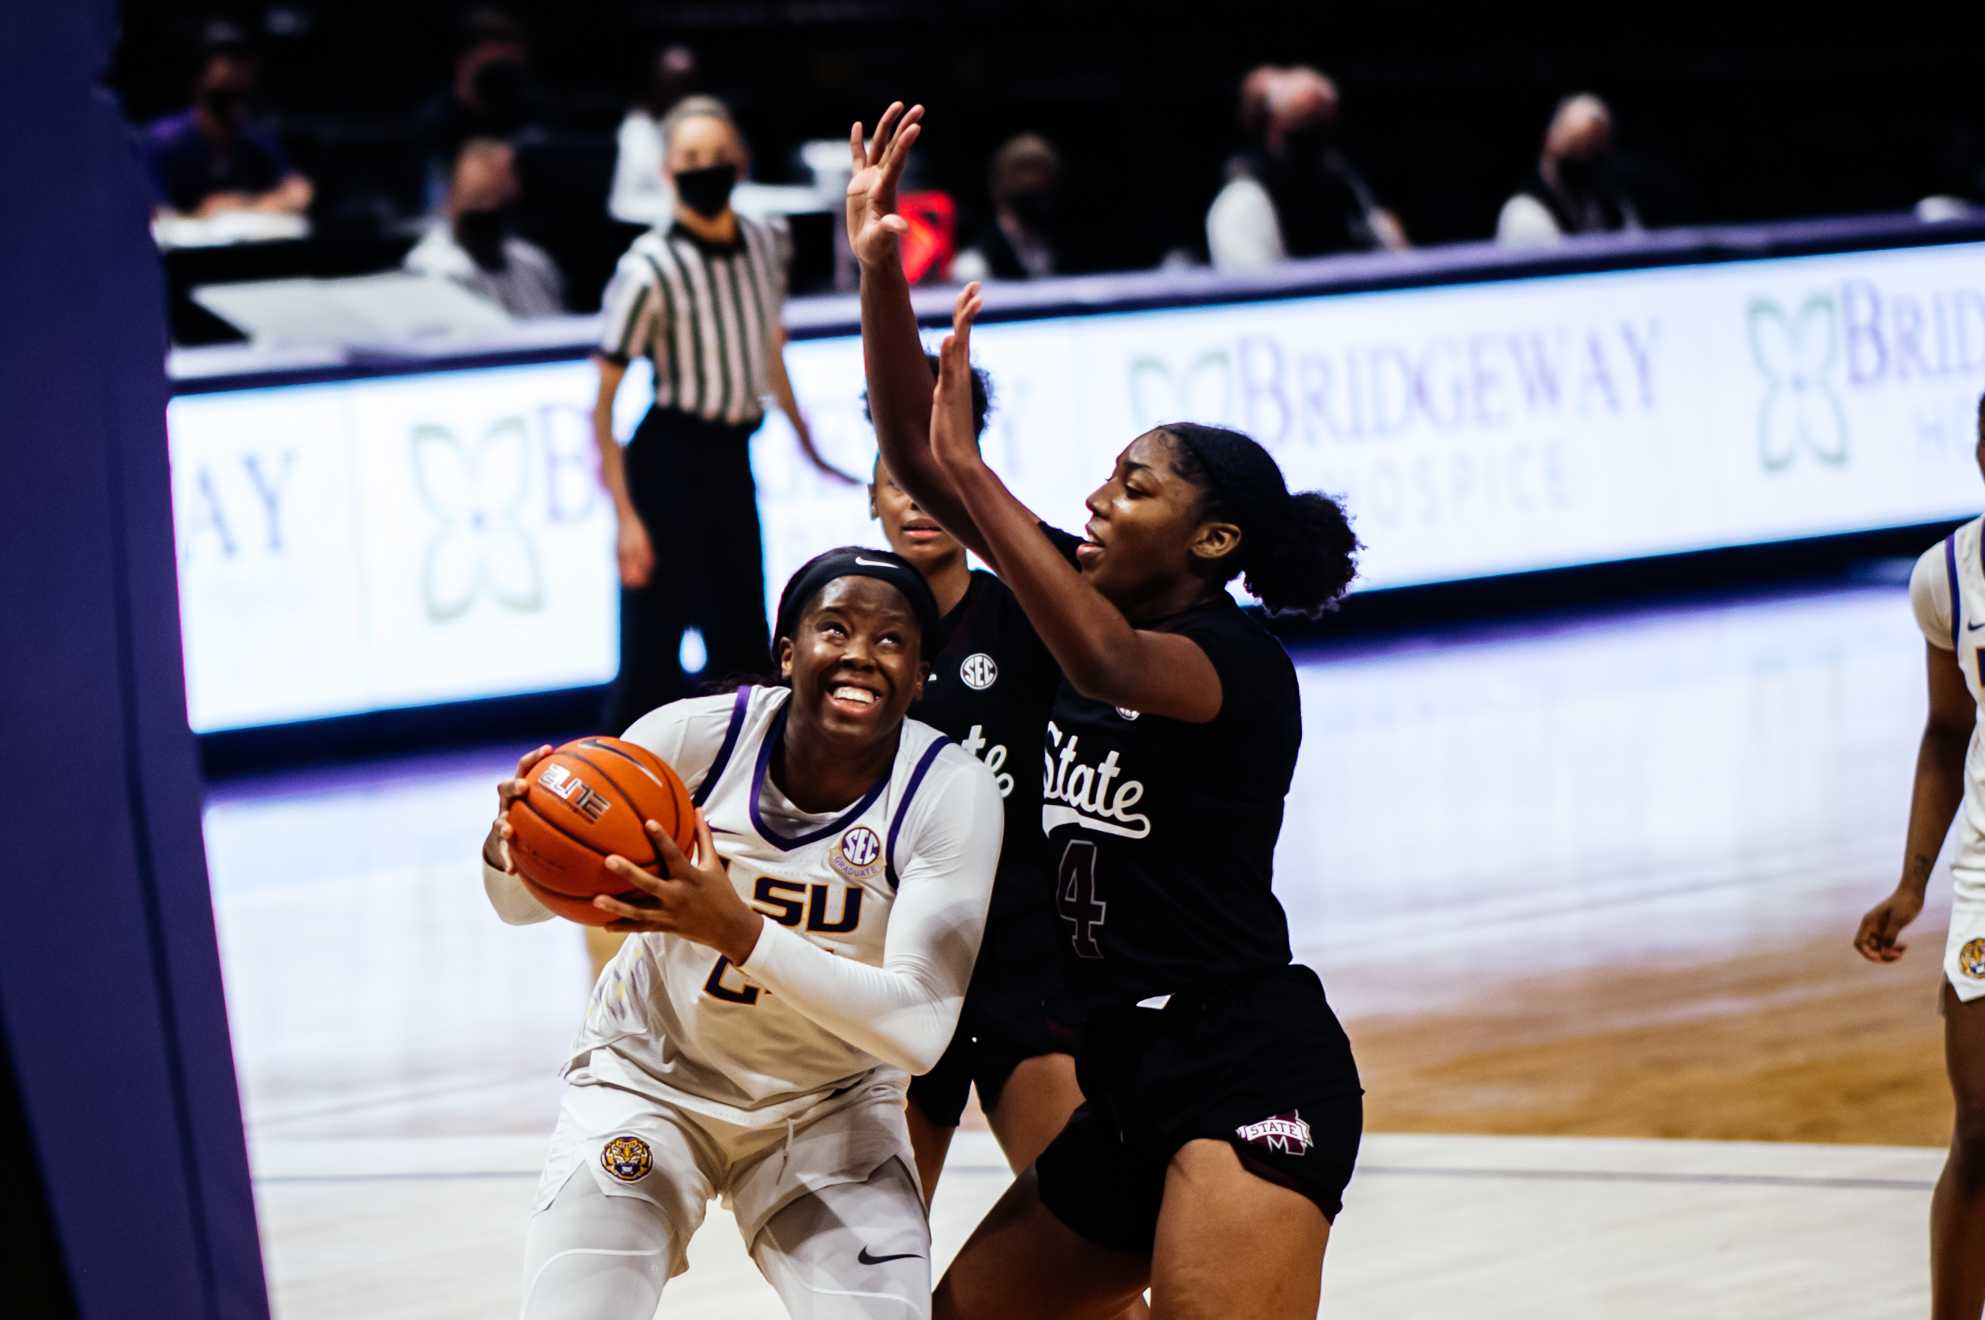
x: 1947, y: 593
x: 675, y: 1020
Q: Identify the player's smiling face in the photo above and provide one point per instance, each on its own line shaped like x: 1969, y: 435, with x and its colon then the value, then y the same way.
x: 1143, y: 524
x: 856, y: 662
x: 911, y: 532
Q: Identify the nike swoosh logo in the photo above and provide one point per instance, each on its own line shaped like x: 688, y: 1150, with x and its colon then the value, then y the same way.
x: 867, y: 1259
x: 876, y: 563
x: 1972, y: 627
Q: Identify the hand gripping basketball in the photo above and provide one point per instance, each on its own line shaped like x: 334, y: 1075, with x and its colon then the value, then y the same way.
x: 571, y: 808
x: 693, y: 899
x: 496, y: 845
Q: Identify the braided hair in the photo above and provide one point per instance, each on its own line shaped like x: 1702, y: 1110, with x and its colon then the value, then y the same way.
x: 1298, y: 553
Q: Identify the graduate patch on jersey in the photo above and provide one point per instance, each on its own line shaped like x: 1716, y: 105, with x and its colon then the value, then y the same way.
x: 1971, y: 960
x: 627, y: 1158
x: 857, y: 855
x: 1286, y: 1134
x: 979, y: 671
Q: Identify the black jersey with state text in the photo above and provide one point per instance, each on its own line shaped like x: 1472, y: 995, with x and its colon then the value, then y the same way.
x: 1162, y: 833
x: 990, y: 687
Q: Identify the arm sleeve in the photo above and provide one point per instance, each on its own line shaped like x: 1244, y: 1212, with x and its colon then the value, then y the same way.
x: 686, y: 734
x: 1242, y: 232
x: 513, y: 903
x: 1930, y: 597
x: 905, y: 1011
x: 628, y: 311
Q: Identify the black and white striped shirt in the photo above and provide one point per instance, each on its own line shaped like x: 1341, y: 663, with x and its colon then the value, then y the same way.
x: 704, y: 312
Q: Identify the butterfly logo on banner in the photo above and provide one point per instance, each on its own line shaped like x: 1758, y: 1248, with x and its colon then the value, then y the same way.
x: 476, y: 492
x: 1797, y: 354
x: 1202, y: 389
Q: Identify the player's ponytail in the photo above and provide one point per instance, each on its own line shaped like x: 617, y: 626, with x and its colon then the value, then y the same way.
x: 1298, y: 553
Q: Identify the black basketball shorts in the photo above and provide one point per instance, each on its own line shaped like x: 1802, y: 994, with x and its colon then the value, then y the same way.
x: 1016, y: 1009
x: 1261, y: 1063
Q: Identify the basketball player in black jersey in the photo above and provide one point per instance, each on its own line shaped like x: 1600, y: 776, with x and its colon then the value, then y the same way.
x: 990, y: 687
x: 1223, y: 1108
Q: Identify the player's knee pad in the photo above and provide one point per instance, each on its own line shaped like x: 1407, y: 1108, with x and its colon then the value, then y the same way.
x: 591, y: 1256
x: 851, y: 1251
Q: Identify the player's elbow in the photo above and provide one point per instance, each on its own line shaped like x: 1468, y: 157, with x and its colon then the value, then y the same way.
x: 1950, y: 728
x: 918, y: 1058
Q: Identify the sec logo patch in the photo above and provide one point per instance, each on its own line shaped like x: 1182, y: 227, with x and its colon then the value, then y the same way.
x: 1971, y: 960
x: 627, y: 1158
x: 857, y: 855
x: 979, y: 671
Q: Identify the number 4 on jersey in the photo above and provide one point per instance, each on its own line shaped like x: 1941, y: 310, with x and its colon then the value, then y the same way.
x: 1075, y: 897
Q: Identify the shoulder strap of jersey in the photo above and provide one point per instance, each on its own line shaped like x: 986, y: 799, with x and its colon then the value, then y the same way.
x: 739, y: 709
x: 1957, y: 599
x: 931, y: 754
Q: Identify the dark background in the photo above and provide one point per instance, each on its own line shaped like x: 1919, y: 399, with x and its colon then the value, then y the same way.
x: 1725, y: 113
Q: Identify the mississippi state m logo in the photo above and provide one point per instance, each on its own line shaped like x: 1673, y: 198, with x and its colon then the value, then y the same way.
x: 1285, y: 1134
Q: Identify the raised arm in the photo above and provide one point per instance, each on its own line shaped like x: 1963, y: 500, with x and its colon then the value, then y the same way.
x: 899, y: 383
x: 1103, y: 656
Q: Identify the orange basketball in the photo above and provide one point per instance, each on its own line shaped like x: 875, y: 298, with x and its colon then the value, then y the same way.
x: 586, y: 802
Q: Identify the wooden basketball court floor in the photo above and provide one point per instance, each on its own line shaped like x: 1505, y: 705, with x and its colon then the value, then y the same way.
x: 1582, y: 891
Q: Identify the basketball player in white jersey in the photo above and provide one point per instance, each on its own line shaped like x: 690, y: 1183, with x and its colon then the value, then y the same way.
x: 754, y: 1039
x: 1947, y: 592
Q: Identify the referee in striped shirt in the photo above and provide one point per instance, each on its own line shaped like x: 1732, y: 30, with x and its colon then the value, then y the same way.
x: 703, y: 298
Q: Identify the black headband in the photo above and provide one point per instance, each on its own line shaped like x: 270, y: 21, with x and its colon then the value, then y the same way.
x: 854, y: 561
x: 1243, y: 474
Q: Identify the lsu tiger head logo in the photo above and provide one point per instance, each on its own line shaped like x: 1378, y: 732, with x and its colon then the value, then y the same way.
x: 627, y: 1158
x: 1971, y: 959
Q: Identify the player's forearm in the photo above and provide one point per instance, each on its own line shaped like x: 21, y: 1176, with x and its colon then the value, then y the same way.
x: 899, y: 383
x: 899, y: 1017
x: 1933, y: 804
x: 1089, y: 637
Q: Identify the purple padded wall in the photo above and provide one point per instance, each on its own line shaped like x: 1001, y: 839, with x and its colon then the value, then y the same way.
x: 110, y: 987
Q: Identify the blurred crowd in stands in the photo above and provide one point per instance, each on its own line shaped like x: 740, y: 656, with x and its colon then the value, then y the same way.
x: 492, y: 190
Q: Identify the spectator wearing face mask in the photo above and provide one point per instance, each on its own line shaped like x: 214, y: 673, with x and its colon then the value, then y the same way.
x: 1293, y: 192
x: 213, y: 157
x: 488, y: 96
x: 473, y: 244
x: 1021, y: 242
x: 1576, y: 189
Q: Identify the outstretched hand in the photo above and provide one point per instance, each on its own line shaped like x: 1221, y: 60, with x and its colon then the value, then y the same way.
x: 953, y: 444
x: 873, y: 224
